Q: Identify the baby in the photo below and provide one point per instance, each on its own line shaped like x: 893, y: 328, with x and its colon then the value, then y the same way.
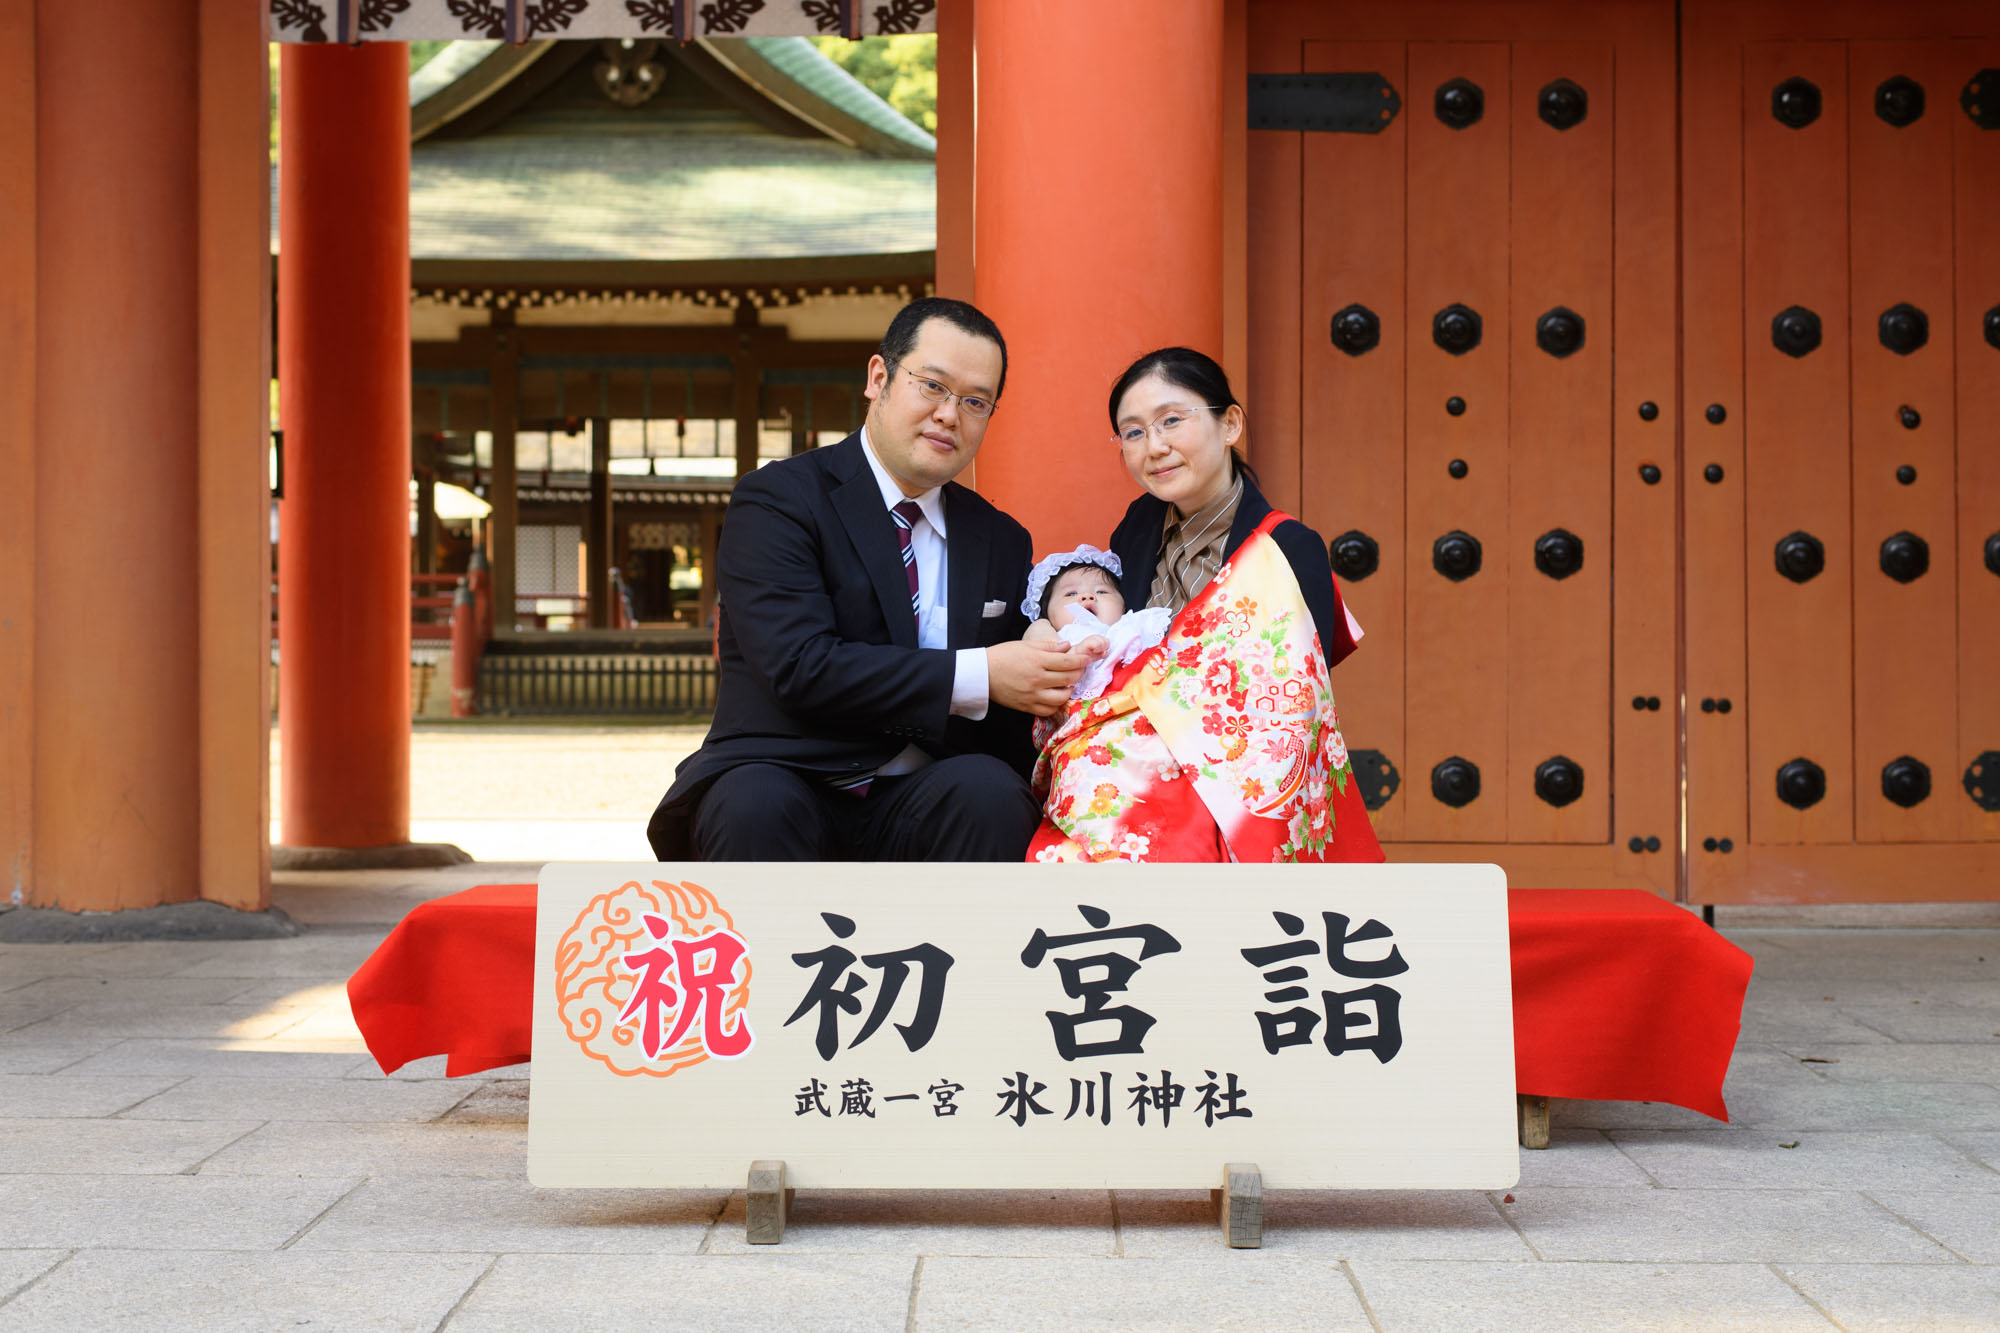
x: 1073, y: 597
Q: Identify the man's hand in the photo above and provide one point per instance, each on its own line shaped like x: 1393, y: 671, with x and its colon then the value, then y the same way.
x: 1030, y: 677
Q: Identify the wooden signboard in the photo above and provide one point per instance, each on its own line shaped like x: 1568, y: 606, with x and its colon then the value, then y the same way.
x: 1022, y: 1026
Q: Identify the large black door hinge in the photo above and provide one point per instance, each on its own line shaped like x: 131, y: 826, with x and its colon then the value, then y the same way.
x: 1334, y: 103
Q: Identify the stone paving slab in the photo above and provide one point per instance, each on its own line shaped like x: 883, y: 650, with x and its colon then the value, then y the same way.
x: 1582, y: 1157
x: 24, y: 962
x: 1719, y: 1226
x: 1984, y: 1146
x: 20, y: 1267
x: 1601, y: 1297
x: 1247, y: 1289
x: 1919, y: 1021
x: 137, y: 992
x: 162, y: 1020
x: 1327, y: 1225
x: 314, y: 956
x: 441, y: 1215
x: 803, y: 1293
x: 182, y: 1057
x: 974, y: 1222
x: 1898, y: 1298
x: 208, y: 1098
x: 1805, y: 1159
x: 22, y: 1055
x: 37, y: 1096
x: 1969, y: 1224
x: 172, y: 1212
x: 433, y: 1066
x: 1927, y: 1062
x: 323, y: 1148
x: 208, y: 1292
x: 115, y: 1147
x: 498, y: 1102
x: 1909, y: 1105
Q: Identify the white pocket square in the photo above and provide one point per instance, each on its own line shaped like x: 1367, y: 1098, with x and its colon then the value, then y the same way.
x: 988, y: 610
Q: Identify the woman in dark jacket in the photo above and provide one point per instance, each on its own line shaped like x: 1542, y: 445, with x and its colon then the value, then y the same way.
x: 1223, y: 743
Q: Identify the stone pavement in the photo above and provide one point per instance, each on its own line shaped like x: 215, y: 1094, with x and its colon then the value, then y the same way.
x: 193, y: 1137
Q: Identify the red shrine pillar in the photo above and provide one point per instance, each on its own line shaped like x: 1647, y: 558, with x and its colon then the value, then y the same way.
x: 134, y: 428
x: 1099, y: 180
x: 344, y: 399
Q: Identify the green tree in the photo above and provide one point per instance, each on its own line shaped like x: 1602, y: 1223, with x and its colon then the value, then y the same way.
x: 902, y: 71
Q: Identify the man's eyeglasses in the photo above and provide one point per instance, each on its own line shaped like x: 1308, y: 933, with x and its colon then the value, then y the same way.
x: 939, y: 393
x: 1164, y: 425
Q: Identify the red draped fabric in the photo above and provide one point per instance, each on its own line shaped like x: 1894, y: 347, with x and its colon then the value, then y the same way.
x: 1617, y: 995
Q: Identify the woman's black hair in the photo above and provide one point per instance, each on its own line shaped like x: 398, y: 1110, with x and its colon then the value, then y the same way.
x: 1184, y: 368
x: 1049, y: 588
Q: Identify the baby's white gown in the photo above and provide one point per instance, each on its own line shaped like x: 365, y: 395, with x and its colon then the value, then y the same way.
x: 1130, y: 635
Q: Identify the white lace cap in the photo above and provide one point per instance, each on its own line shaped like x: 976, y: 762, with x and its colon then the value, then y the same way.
x: 1038, y: 578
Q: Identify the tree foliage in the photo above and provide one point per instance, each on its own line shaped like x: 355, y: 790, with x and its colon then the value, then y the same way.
x: 902, y: 71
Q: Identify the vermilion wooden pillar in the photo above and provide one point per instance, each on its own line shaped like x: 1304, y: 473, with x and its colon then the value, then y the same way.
x: 344, y: 397
x: 116, y: 736
x: 1100, y: 184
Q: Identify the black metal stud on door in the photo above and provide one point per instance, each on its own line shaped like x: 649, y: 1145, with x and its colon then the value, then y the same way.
x: 1562, y: 104
x: 1377, y: 776
x: 1455, y: 782
x: 1899, y: 100
x: 1558, y: 780
x: 1981, y: 99
x: 1796, y: 102
x: 1559, y: 553
x: 1460, y: 103
x: 1801, y: 784
x: 1906, y: 557
x: 1906, y: 781
x: 1992, y: 324
x: 1801, y: 557
x: 1903, y: 328
x: 1795, y: 330
x: 1457, y: 555
x: 1456, y: 328
x: 1354, y: 555
x: 1993, y: 554
x: 1559, y: 332
x: 1356, y: 329
x: 1982, y: 780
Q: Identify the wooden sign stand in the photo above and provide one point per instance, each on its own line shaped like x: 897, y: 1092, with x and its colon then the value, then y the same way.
x: 1239, y: 1204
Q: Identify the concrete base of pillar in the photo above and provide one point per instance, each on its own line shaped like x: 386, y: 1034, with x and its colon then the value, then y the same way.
x: 175, y: 921
x: 395, y: 856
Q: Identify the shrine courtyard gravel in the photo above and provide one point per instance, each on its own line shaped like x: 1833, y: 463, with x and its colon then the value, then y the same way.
x: 192, y: 1136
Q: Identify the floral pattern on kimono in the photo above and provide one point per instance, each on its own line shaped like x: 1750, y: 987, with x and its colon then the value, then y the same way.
x: 1221, y: 743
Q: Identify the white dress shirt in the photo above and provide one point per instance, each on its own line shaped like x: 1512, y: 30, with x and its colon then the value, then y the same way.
x: 927, y: 544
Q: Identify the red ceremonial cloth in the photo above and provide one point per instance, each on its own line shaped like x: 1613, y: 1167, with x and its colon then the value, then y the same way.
x: 1618, y: 995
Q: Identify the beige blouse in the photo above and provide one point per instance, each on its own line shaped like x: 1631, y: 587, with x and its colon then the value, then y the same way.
x: 1192, y: 547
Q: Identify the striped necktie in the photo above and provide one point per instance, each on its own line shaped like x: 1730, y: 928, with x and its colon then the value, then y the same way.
x: 906, y: 514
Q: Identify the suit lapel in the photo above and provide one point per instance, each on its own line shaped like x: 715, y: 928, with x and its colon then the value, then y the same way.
x: 858, y: 501
x: 965, y: 560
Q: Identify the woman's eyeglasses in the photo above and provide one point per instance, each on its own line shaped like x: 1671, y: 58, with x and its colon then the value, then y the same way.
x: 939, y: 393
x: 1164, y: 425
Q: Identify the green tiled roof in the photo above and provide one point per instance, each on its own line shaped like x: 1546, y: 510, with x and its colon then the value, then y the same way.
x: 724, y: 194
x: 799, y: 60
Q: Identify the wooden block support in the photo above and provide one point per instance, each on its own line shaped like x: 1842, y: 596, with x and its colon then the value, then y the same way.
x: 1533, y: 1115
x: 1240, y: 1205
x: 766, y: 1203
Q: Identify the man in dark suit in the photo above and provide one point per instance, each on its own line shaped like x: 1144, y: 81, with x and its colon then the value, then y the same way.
x: 874, y: 689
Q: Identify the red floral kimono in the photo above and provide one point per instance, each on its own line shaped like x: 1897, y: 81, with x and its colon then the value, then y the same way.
x: 1220, y: 744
